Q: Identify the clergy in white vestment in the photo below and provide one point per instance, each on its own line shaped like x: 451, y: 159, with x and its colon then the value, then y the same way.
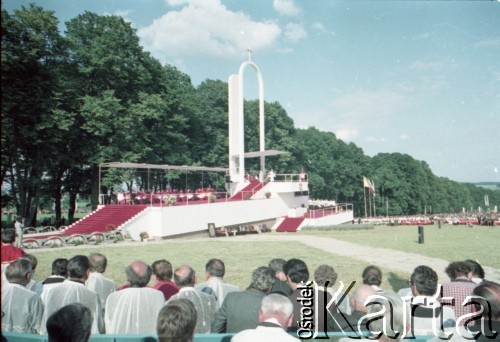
x: 22, y: 309
x: 33, y: 285
x: 73, y: 290
x: 134, y: 310
x: 205, y: 304
x: 97, y: 281
x: 58, y: 276
x: 275, y: 316
x: 215, y: 285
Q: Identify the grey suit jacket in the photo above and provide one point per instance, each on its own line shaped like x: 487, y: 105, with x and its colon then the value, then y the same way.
x: 239, y: 311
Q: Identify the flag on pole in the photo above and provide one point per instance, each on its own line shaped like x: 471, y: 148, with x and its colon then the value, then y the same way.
x: 366, y: 182
x: 372, y: 187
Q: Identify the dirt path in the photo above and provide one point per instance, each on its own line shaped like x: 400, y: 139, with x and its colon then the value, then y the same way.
x: 388, y: 258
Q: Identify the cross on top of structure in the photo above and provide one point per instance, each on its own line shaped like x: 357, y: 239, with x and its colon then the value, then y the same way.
x: 249, y: 54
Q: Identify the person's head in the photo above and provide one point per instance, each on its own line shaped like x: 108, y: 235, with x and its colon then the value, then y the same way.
x: 8, y: 235
x: 489, y: 299
x: 278, y: 307
x: 176, y: 321
x: 32, y: 259
x: 476, y: 269
x: 162, y: 269
x: 372, y: 275
x: 324, y: 274
x: 358, y: 299
x: 277, y: 266
x: 296, y: 271
x: 20, y: 271
x: 185, y: 276
x: 262, y: 279
x: 79, y: 267
x: 60, y: 267
x: 215, y: 268
x: 457, y: 269
x: 71, y: 323
x: 138, y: 274
x: 423, y: 281
x: 393, y: 313
x: 98, y: 262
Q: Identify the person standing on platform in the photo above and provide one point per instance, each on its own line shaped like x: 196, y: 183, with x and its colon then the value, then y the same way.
x: 19, y: 226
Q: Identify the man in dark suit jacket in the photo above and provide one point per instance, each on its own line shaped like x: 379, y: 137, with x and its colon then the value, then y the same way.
x: 240, y: 310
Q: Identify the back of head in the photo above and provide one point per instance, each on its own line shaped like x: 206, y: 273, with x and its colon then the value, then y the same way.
x: 372, y: 275
x: 457, y: 269
x: 277, y: 265
x: 8, y: 235
x: 263, y: 279
x: 425, y: 280
x: 185, y: 276
x: 215, y: 268
x: 31, y: 258
x: 71, y: 323
x: 325, y: 274
x: 489, y: 299
x: 296, y: 270
x: 276, y: 306
x: 162, y: 269
x: 393, y: 312
x: 60, y: 267
x: 98, y: 262
x: 176, y: 321
x: 138, y: 274
x: 19, y: 271
x: 476, y: 268
x: 78, y: 267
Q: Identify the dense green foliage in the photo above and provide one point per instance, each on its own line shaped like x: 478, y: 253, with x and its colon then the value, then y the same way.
x: 93, y: 95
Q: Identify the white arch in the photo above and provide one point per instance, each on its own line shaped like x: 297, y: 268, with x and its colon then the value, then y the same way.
x: 236, y: 122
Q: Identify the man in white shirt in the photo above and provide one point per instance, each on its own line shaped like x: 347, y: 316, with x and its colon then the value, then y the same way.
x: 275, y: 316
x: 205, y: 304
x: 134, y: 310
x: 215, y: 271
x: 97, y: 281
x: 73, y: 290
x: 22, y: 309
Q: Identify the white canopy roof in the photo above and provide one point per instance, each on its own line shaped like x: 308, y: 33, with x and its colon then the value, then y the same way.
x: 125, y: 165
x: 266, y: 153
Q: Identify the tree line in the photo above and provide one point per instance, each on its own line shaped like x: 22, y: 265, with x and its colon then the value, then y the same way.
x: 91, y: 95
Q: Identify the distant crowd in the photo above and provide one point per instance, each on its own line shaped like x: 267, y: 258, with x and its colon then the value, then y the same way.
x: 452, y: 218
x: 284, y: 300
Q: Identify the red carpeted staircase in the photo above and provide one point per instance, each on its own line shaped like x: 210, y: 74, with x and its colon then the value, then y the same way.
x: 101, y: 219
x: 290, y: 224
x: 248, y: 190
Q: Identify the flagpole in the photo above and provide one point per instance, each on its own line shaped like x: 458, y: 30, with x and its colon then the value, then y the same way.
x: 370, y: 204
x: 364, y: 196
x: 374, y: 207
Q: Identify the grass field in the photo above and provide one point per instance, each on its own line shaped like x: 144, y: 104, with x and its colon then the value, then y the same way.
x: 241, y: 257
x: 450, y: 243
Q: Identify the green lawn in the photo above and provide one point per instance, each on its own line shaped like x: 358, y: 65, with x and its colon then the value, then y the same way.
x: 240, y: 258
x: 450, y: 243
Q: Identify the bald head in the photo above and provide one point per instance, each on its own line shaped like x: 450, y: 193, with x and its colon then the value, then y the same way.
x: 362, y: 293
x: 185, y: 276
x: 138, y: 273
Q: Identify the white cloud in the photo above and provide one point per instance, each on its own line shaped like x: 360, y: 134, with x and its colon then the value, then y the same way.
x: 488, y: 43
x: 375, y: 140
x: 321, y: 28
x: 347, y: 134
x: 195, y: 29
x: 404, y: 136
x: 286, y: 7
x: 295, y: 32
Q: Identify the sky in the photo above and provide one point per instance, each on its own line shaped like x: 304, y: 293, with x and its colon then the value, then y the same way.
x: 414, y: 77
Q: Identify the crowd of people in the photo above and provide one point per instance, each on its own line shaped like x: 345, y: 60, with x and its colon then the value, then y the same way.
x: 284, y: 301
x: 455, y: 219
